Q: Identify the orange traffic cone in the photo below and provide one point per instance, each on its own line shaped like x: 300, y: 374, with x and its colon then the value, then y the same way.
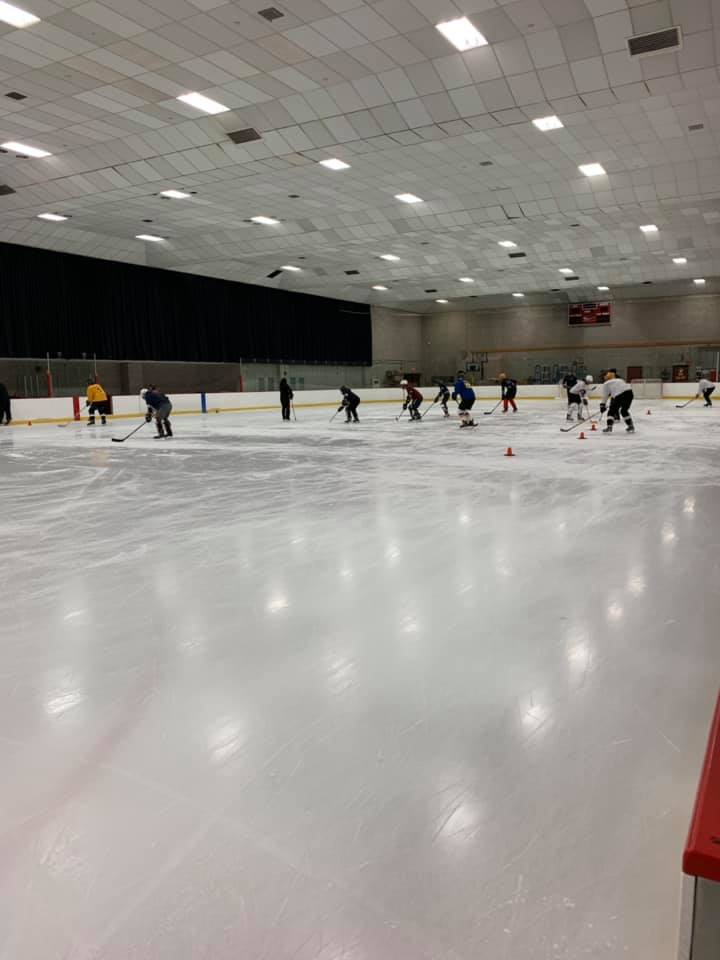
x: 594, y: 426
x: 29, y: 423
x: 648, y: 413
x: 582, y: 435
x: 509, y: 452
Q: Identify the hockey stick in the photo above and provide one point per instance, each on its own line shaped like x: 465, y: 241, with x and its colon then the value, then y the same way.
x: 428, y: 409
x: 293, y: 410
x: 400, y: 414
x: 490, y: 412
x: 123, y: 439
x: 679, y: 406
x: 589, y: 419
x: 334, y: 415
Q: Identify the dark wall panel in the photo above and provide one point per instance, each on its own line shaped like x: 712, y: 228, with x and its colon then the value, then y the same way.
x: 72, y: 305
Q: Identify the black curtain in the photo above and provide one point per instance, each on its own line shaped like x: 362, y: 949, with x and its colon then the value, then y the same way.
x: 61, y: 303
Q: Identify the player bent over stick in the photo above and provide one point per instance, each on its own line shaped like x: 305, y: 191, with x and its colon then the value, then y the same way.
x: 621, y: 397
x: 706, y: 388
x: 159, y: 408
x: 465, y: 396
x: 508, y: 392
x: 413, y: 399
x: 350, y: 403
x: 578, y: 398
x: 443, y: 396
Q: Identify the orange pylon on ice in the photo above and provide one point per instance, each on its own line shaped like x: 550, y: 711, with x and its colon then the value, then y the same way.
x: 509, y: 452
x: 582, y: 435
x: 594, y: 426
x: 648, y: 413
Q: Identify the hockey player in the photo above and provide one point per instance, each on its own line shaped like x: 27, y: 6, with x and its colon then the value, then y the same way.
x: 465, y: 396
x: 159, y: 408
x: 443, y: 397
x: 568, y: 382
x: 578, y: 397
x: 5, y: 411
x: 706, y: 388
x: 97, y: 402
x: 286, y: 395
x: 413, y: 399
x: 621, y: 397
x: 508, y: 393
x: 350, y: 402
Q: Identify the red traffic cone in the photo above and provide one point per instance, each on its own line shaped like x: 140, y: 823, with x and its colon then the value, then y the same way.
x: 582, y: 435
x: 509, y: 452
x: 648, y: 413
x: 594, y: 426
x: 29, y: 423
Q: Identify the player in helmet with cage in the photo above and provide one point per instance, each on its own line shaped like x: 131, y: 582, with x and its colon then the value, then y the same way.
x: 621, y: 397
x: 443, y: 397
x: 578, y: 397
x: 413, y: 399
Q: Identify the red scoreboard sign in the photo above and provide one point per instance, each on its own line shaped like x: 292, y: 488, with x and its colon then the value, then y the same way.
x: 588, y: 314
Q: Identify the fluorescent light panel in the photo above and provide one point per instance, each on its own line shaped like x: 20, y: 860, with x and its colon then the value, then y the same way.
x: 592, y: 169
x: 548, y: 123
x: 462, y: 34
x: 603, y: 288
x: 55, y: 217
x: 699, y: 281
x: 203, y: 103
x: 334, y: 164
x: 379, y: 286
x: 148, y: 237
x: 388, y: 256
x: 23, y: 148
x: 649, y: 228
x: 506, y: 243
x: 442, y: 301
x: 16, y: 17
x: 565, y: 270
x: 466, y: 280
x: 679, y: 260
x: 266, y: 221
x: 174, y: 194
x: 518, y: 294
x: 291, y: 268
x: 408, y: 198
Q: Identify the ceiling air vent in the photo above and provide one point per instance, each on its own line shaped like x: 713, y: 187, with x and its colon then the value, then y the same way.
x: 352, y: 273
x: 515, y: 256
x: 244, y: 136
x: 14, y: 95
x: 696, y: 126
x: 659, y: 42
x: 271, y: 13
x: 5, y: 190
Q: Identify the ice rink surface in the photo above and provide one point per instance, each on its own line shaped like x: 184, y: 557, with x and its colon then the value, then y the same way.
x: 323, y: 692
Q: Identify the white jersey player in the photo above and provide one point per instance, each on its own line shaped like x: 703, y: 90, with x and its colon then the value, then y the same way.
x: 578, y: 398
x: 706, y: 388
x: 621, y: 397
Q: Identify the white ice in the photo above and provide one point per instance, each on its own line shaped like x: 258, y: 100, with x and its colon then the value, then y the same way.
x: 311, y: 691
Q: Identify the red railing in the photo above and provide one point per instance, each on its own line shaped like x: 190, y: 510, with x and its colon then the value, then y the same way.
x: 702, y: 850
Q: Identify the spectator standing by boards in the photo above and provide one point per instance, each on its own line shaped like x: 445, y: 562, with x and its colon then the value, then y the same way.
x: 5, y: 412
x: 286, y: 396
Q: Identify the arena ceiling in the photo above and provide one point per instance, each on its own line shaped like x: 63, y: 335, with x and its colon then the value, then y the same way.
x: 379, y: 87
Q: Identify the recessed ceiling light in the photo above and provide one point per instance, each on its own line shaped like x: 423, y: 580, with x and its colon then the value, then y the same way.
x: 388, y: 256
x: 408, y: 198
x: 565, y: 270
x: 379, y: 286
x: 548, y: 123
x: 506, y: 243
x: 461, y: 34
x: 699, y: 281
x: 603, y: 288
x: 51, y: 216
x: 267, y: 221
x: 649, y: 228
x: 466, y: 280
x: 16, y: 17
x: 334, y: 164
x: 442, y: 301
x: 174, y: 194
x: 592, y: 169
x: 200, y: 102
x: 518, y: 294
x: 15, y: 147
x: 149, y: 237
x: 291, y: 268
x: 680, y: 260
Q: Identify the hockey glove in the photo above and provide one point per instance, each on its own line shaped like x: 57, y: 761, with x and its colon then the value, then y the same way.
x: 405, y: 406
x: 148, y: 417
x: 603, y: 407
